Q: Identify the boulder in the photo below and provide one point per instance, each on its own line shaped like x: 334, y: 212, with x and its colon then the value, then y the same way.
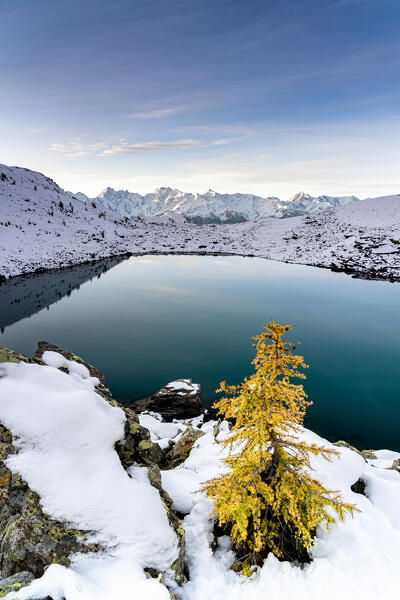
x: 180, y: 399
x: 181, y: 450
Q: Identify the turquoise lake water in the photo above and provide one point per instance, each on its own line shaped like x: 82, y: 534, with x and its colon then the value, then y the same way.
x: 146, y: 321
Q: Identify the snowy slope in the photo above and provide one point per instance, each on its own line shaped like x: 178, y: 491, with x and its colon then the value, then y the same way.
x: 37, y: 232
x: 211, y: 207
x: 65, y: 434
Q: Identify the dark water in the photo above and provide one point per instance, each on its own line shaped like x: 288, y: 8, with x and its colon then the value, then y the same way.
x: 149, y: 320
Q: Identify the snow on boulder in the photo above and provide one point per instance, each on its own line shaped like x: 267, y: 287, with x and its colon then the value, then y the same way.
x: 65, y: 491
x: 180, y: 399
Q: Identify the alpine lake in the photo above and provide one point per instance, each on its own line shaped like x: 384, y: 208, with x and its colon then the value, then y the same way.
x: 145, y: 321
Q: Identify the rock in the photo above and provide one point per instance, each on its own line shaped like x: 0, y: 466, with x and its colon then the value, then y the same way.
x: 180, y: 399
x: 137, y: 447
x: 30, y: 540
x: 178, y: 567
x: 182, y: 448
x: 359, y: 487
x: 15, y: 582
x: 366, y: 454
x: 7, y: 355
x: 369, y: 454
x: 396, y: 465
x: 101, y: 389
x: 343, y: 444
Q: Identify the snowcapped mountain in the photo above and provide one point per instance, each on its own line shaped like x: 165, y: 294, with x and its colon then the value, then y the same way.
x: 211, y: 207
x: 44, y: 227
x: 306, y: 204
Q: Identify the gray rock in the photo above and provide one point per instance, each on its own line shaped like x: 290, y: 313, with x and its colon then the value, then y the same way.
x: 15, y: 582
x: 30, y: 540
x: 181, y: 450
x: 180, y: 399
x: 366, y: 454
x: 343, y: 444
x: 396, y: 465
x: 369, y: 454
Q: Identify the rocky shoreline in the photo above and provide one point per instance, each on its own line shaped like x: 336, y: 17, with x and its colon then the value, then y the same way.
x: 345, y: 266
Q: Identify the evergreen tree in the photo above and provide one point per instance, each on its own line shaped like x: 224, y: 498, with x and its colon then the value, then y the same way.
x: 267, y: 499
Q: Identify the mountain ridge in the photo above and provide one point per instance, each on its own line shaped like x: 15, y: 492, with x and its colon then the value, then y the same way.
x: 43, y: 227
x: 212, y: 206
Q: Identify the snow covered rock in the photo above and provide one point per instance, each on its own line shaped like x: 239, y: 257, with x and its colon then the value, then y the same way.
x: 180, y: 399
x: 396, y: 465
x: 65, y: 494
x: 30, y: 539
x: 181, y: 450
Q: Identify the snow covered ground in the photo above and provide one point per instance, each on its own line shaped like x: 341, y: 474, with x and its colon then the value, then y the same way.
x: 65, y: 439
x: 43, y: 227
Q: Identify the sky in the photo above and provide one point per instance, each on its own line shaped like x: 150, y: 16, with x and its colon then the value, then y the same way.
x: 267, y: 97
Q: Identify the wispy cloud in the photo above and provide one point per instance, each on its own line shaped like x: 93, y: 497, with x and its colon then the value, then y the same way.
x: 161, y: 113
x: 76, y: 148
x: 150, y: 147
x: 241, y: 130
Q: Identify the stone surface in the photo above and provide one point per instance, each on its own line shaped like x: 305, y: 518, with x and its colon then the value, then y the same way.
x: 30, y: 540
x: 180, y: 451
x: 7, y: 355
x: 180, y: 399
x: 369, y: 454
x: 396, y: 465
x: 15, y: 582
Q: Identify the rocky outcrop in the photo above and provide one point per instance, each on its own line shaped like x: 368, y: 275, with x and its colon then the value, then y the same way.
x: 181, y: 450
x: 396, y: 465
x: 366, y: 454
x: 137, y: 447
x: 30, y: 540
x: 15, y: 582
x: 180, y: 399
x: 101, y: 389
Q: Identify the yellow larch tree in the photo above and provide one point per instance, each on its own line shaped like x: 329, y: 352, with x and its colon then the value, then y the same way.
x: 267, y: 500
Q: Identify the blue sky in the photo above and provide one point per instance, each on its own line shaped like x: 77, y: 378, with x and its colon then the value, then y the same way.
x: 268, y: 97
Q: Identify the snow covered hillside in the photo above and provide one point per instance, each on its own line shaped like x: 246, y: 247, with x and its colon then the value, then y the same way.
x: 211, y: 207
x: 44, y: 227
x: 65, y: 434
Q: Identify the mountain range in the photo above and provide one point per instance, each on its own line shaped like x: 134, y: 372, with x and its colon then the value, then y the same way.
x: 211, y: 207
x: 44, y: 227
